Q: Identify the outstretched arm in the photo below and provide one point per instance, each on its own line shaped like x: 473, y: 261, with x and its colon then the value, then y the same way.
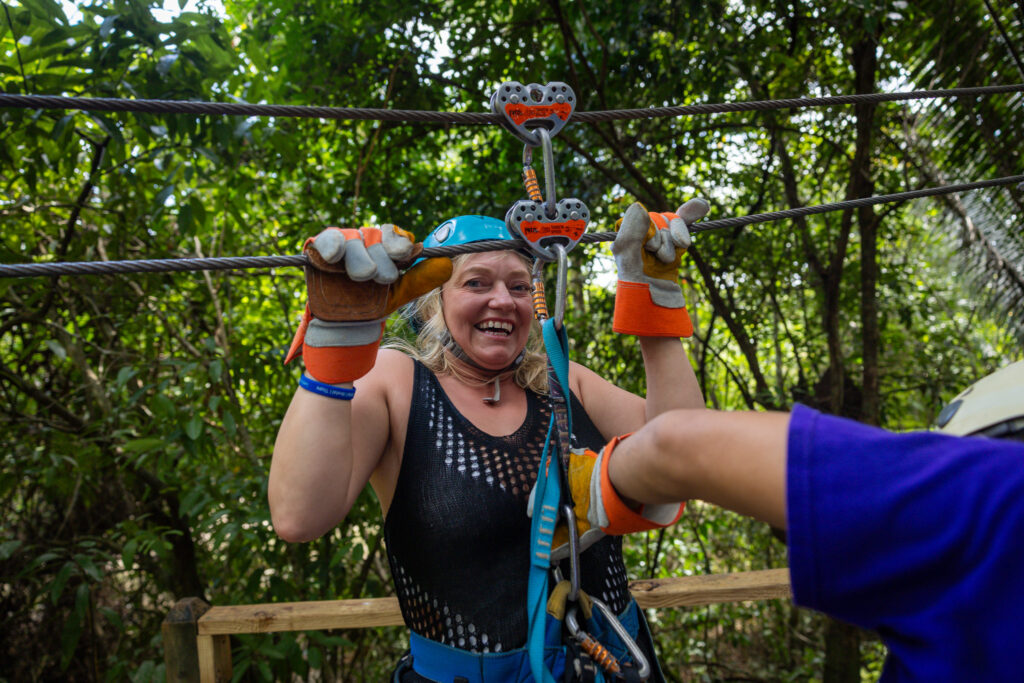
x: 733, y: 459
x: 320, y: 463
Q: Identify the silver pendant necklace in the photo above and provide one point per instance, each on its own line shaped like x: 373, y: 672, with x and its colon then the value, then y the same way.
x: 492, y: 400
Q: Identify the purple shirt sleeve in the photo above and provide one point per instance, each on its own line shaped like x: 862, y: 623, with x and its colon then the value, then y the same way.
x: 919, y: 536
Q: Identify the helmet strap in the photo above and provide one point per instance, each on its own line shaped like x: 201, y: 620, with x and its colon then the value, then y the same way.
x: 477, y: 374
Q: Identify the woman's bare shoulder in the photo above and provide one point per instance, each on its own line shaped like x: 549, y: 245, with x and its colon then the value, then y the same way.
x: 391, y: 364
x: 393, y: 357
x: 580, y: 376
x: 390, y: 376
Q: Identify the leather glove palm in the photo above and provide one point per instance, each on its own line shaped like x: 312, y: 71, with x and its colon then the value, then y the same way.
x: 353, y: 284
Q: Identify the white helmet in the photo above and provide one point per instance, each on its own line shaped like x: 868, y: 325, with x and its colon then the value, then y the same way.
x: 993, y: 406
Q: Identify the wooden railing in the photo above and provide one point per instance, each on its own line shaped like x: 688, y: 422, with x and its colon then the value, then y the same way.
x: 197, y: 644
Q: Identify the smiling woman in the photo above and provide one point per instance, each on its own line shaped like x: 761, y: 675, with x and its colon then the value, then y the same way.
x: 489, y: 307
x: 498, y: 284
x: 449, y: 432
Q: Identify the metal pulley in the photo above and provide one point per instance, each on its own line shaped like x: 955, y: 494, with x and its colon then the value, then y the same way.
x: 534, y: 113
x: 527, y: 108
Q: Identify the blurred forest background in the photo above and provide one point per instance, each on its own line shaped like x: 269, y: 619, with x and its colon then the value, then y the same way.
x: 139, y: 411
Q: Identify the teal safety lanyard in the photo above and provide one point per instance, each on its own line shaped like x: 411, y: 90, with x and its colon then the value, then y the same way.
x: 547, y: 500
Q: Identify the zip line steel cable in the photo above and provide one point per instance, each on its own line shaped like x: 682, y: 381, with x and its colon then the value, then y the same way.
x: 244, y: 109
x: 243, y: 262
x: 466, y: 118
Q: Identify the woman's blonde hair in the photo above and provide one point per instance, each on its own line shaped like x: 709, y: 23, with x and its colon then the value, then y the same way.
x: 433, y: 338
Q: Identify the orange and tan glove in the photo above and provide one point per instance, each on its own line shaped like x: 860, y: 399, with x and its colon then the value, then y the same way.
x: 353, y: 283
x: 600, y: 511
x: 648, y: 248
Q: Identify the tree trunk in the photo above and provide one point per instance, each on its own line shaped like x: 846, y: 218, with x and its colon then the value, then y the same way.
x: 862, y: 185
x: 842, y: 653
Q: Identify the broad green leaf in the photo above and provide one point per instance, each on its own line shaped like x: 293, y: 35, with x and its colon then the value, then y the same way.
x: 44, y: 9
x: 194, y: 428
x: 163, y: 196
x: 113, y: 618
x: 185, y: 222
x: 59, y: 581
x: 128, y: 552
x: 125, y: 374
x: 74, y: 625
x: 162, y: 407
x: 230, y: 428
x: 144, y: 674
x: 88, y: 566
x: 195, y: 202
x: 8, y: 548
x: 143, y: 445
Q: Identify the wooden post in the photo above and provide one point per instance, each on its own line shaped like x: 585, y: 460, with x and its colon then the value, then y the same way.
x: 214, y: 658
x: 181, y: 657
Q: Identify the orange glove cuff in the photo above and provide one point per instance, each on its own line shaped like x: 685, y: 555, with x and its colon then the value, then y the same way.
x: 636, y: 313
x: 333, y: 364
x: 337, y: 364
x: 623, y: 519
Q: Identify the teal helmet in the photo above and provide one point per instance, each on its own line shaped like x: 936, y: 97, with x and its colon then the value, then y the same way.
x: 456, y: 231
x: 466, y: 229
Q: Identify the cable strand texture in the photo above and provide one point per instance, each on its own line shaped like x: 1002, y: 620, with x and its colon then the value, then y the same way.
x: 243, y: 262
x: 465, y: 118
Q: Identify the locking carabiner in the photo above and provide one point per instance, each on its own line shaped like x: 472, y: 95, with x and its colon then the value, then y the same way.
x: 598, y: 652
x: 549, y: 173
x: 569, y: 518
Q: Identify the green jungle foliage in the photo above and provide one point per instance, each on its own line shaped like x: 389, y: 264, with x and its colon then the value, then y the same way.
x: 139, y: 411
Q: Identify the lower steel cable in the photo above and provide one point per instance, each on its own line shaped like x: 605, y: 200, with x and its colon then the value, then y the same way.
x: 244, y: 262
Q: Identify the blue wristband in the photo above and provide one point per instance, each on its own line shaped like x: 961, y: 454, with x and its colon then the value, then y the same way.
x: 328, y: 390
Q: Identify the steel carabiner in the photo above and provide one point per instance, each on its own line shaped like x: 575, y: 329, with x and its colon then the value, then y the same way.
x: 530, y: 175
x: 598, y: 652
x: 569, y: 517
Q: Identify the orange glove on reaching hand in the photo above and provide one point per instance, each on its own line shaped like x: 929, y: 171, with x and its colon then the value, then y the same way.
x: 600, y: 511
x: 648, y: 248
x: 353, y: 284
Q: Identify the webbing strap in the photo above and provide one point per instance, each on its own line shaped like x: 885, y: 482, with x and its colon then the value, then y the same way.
x: 547, y: 498
x: 556, y: 343
x: 542, y: 533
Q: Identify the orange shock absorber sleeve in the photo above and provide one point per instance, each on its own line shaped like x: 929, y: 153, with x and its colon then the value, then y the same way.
x: 532, y: 185
x: 540, y: 303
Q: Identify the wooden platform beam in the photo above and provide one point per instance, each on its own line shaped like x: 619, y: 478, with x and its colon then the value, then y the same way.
x: 216, y: 625
x: 683, y: 591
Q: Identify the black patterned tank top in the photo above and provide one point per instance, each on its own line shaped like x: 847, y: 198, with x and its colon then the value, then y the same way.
x: 457, y: 533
